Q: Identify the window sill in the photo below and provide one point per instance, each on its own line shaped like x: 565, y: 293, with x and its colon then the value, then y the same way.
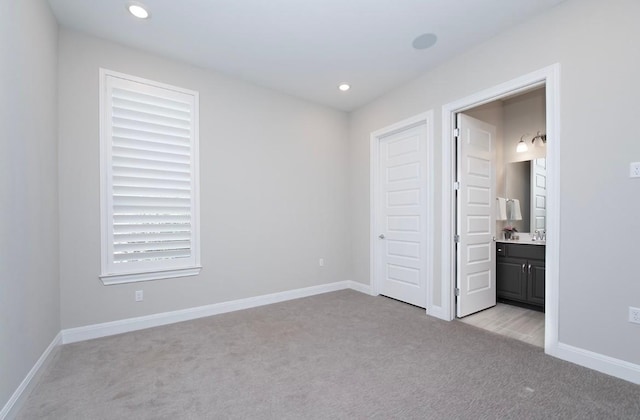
x: 108, y: 279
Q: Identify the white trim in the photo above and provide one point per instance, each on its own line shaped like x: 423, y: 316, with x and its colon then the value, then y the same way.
x: 438, y: 312
x: 109, y: 279
x: 154, y: 270
x: 360, y: 287
x: 550, y: 78
x: 144, y: 81
x: 596, y: 361
x: 20, y: 395
x: 605, y: 364
x: 72, y: 335
x: 425, y: 118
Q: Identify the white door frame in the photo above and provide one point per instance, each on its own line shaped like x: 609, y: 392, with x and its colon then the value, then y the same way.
x: 425, y: 118
x: 549, y: 77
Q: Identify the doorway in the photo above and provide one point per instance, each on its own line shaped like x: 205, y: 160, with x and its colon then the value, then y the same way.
x: 546, y: 79
x: 496, y: 291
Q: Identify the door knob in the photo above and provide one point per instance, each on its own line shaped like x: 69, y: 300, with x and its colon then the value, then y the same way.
x: 381, y: 236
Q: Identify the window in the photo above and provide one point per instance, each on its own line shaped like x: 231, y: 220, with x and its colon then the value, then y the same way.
x: 149, y: 179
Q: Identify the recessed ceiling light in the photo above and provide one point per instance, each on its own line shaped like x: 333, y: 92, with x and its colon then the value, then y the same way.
x: 424, y: 41
x: 344, y: 87
x: 138, y: 11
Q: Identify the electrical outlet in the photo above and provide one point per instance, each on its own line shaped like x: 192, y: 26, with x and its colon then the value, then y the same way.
x: 139, y: 296
x: 321, y: 262
x: 634, y: 170
x: 634, y: 315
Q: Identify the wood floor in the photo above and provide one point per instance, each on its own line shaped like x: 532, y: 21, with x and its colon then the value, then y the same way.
x: 512, y: 321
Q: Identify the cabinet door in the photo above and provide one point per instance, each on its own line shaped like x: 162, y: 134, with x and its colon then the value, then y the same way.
x: 535, y: 285
x: 511, y: 278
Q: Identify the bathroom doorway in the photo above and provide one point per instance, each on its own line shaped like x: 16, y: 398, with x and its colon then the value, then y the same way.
x: 542, y: 265
x: 500, y: 161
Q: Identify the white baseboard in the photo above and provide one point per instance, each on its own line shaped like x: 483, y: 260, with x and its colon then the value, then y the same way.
x: 359, y: 287
x: 438, y: 312
x: 605, y: 364
x: 596, y: 361
x: 12, y: 406
x: 89, y: 332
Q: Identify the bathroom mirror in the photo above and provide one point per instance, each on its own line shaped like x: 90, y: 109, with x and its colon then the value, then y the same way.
x: 527, y: 182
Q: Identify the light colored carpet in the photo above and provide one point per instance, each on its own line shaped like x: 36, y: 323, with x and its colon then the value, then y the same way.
x: 511, y: 321
x: 341, y: 355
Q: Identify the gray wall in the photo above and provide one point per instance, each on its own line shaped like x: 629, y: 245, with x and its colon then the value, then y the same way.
x: 594, y: 42
x: 272, y: 183
x: 29, y: 286
x: 525, y: 114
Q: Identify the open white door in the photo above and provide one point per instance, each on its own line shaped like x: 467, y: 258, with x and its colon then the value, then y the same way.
x: 401, y: 216
x: 538, y: 194
x: 476, y: 203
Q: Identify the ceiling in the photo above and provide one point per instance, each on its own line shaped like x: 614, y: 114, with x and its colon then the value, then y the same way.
x: 304, y: 48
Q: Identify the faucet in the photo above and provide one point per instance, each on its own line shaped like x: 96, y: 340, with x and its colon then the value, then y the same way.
x: 540, y: 235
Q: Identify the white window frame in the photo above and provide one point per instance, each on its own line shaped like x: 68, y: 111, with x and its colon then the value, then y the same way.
x: 111, y: 271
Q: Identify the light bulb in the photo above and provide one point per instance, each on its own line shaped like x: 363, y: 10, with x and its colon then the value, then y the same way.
x: 521, y: 147
x: 138, y: 11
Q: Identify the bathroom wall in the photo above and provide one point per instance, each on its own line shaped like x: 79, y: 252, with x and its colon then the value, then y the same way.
x: 524, y: 115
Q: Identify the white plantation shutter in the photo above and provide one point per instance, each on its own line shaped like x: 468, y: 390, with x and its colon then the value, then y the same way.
x: 149, y: 173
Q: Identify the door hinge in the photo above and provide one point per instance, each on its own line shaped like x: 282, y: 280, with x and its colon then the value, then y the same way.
x: 456, y: 185
x: 457, y: 291
x: 456, y: 238
x: 456, y: 132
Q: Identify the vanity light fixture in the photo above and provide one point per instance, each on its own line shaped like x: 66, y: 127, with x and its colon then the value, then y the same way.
x: 537, y: 141
x: 344, y: 87
x: 522, y: 146
x: 138, y: 10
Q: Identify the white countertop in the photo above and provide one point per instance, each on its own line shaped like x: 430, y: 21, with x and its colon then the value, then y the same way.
x: 524, y: 238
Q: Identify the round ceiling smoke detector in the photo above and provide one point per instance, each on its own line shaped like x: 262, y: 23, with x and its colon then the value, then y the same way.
x: 138, y: 11
x: 424, y: 41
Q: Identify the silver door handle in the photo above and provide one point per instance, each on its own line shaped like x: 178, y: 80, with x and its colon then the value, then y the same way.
x: 381, y: 236
x: 523, y: 267
x: 529, y: 268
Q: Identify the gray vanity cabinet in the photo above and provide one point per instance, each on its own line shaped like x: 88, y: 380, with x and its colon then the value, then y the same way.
x: 535, y: 282
x: 520, y: 274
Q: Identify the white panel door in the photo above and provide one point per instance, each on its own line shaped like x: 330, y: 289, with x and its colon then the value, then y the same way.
x: 538, y: 194
x: 401, y: 216
x: 476, y: 203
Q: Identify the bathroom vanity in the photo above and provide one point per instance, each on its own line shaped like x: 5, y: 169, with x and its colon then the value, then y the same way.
x: 520, y: 273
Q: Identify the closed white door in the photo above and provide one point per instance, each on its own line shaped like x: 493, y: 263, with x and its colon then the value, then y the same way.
x: 476, y: 203
x: 538, y: 194
x: 401, y: 216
